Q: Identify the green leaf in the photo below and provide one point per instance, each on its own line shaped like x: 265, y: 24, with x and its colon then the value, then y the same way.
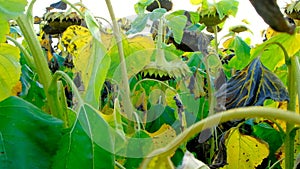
x: 32, y: 90
x: 138, y: 24
x: 195, y: 17
x: 28, y: 136
x: 272, y: 55
x: 93, y: 25
x: 10, y: 69
x: 138, y: 145
x: 101, y: 63
x: 242, y: 52
x: 157, y: 14
x: 196, y: 60
x: 88, y: 144
x: 140, y: 6
x: 12, y: 8
x: 161, y: 115
x: 227, y: 7
x: 177, y: 25
x: 270, y: 135
x: 252, y: 86
x: 4, y: 29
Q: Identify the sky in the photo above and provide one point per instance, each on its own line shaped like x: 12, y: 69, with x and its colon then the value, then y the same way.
x: 124, y: 8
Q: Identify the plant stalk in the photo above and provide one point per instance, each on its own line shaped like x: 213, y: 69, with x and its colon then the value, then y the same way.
x: 160, y: 55
x: 290, y: 136
x: 36, y: 50
x: 125, y: 85
x: 214, y: 120
x: 40, y: 61
x: 215, y: 28
x: 297, y: 74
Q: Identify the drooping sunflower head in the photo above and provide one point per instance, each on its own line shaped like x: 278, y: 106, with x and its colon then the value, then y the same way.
x: 209, y: 16
x: 58, y: 22
x: 171, y: 70
x: 293, y: 10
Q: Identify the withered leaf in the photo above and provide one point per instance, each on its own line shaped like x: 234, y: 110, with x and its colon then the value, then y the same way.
x: 251, y: 87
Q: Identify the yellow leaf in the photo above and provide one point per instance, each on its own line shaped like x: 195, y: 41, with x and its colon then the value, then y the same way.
x: 227, y: 43
x: 107, y: 114
x: 170, y: 98
x: 244, y: 151
x: 10, y: 69
x: 195, y: 2
x: 270, y: 33
x: 163, y: 136
x: 159, y: 163
x: 139, y: 100
x: 87, y: 55
x: 4, y: 28
x: 157, y: 96
x: 141, y: 42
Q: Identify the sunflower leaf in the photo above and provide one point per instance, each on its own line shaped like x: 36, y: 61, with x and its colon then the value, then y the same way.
x: 252, y: 86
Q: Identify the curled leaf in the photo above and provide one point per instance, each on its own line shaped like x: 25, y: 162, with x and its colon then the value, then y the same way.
x: 252, y: 86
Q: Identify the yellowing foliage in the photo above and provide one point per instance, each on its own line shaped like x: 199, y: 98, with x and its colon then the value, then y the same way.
x: 163, y: 136
x: 10, y: 69
x: 244, y: 151
x: 160, y: 163
x: 195, y: 2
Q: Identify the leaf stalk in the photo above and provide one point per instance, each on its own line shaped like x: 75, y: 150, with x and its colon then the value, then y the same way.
x: 211, y: 121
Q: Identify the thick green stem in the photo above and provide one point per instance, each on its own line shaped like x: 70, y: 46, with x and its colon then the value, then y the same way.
x: 36, y: 50
x: 62, y: 75
x: 40, y: 60
x: 211, y: 103
x: 292, y: 89
x: 57, y: 92
x: 297, y: 74
x: 125, y: 85
x: 290, y: 137
x: 211, y: 121
x: 215, y: 28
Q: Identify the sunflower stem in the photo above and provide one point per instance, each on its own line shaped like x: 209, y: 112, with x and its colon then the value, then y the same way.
x: 160, y: 55
x: 211, y: 121
x: 124, y: 83
x: 290, y: 135
x: 215, y: 28
x: 40, y: 62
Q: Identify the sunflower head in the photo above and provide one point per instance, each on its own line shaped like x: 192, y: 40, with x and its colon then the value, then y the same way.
x: 58, y: 22
x: 293, y: 10
x: 170, y: 70
x: 210, y: 16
